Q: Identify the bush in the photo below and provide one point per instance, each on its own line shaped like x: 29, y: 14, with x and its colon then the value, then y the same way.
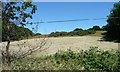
x: 37, y: 34
x: 100, y: 60
x: 76, y: 32
x: 95, y: 28
x: 92, y: 59
x: 77, y: 29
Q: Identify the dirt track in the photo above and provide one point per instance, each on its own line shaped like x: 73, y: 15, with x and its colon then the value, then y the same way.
x: 63, y: 43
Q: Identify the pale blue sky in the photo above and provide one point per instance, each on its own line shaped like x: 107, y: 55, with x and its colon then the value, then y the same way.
x: 50, y: 11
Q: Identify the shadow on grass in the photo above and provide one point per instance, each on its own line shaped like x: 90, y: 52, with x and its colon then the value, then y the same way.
x: 108, y: 38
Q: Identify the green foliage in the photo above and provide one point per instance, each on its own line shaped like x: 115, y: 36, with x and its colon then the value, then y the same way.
x: 37, y: 34
x: 17, y: 10
x: 56, y: 34
x: 77, y: 29
x: 105, y: 27
x: 114, y: 24
x: 92, y: 59
x: 65, y: 56
x: 76, y: 32
x: 15, y: 32
x: 95, y: 28
x: 14, y: 15
x: 101, y: 60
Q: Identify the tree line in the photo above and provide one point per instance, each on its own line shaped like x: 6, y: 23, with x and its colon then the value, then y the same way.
x: 78, y: 32
x: 19, y: 33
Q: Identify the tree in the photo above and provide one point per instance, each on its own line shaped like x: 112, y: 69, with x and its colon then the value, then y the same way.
x: 15, y: 13
x: 95, y: 28
x: 114, y: 23
x: 105, y: 27
x: 16, y: 33
x: 77, y: 29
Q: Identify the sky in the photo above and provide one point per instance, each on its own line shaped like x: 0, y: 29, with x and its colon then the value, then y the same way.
x: 55, y: 11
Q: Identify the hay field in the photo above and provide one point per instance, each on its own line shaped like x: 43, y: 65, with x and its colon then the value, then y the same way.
x: 61, y: 43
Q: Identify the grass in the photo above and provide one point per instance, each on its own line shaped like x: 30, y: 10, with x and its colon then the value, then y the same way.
x: 92, y: 59
x: 98, y: 33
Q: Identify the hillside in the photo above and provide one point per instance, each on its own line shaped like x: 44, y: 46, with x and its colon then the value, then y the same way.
x: 63, y: 43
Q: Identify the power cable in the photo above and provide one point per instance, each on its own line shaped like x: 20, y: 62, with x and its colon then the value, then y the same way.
x: 73, y: 20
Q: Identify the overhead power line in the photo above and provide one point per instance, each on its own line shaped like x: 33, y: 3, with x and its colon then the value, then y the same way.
x: 74, y: 20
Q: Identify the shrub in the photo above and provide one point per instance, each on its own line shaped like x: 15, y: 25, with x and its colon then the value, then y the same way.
x: 95, y: 28
x: 76, y: 32
x: 77, y: 29
x: 37, y: 34
x: 92, y: 59
x: 101, y: 60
